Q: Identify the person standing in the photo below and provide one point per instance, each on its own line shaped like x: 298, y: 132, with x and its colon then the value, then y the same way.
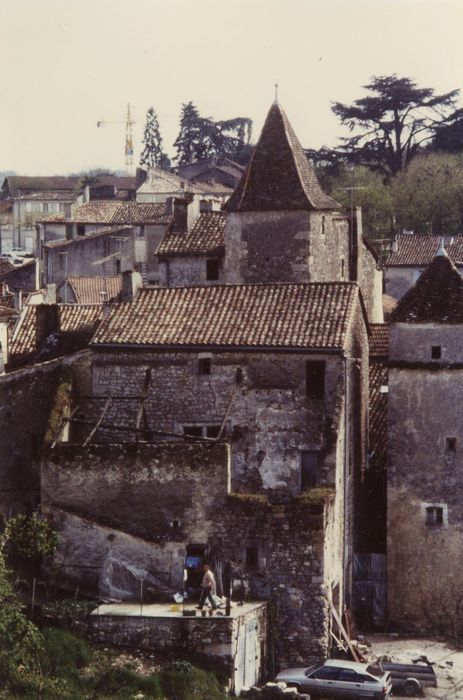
x: 208, y: 588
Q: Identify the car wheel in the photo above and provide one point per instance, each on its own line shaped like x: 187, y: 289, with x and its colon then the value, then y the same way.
x: 411, y: 688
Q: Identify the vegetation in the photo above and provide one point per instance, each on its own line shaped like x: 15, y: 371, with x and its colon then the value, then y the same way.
x: 392, y: 122
x: 202, y: 137
x: 152, y: 154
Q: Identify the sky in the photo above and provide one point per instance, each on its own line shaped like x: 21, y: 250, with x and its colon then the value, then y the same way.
x: 68, y: 63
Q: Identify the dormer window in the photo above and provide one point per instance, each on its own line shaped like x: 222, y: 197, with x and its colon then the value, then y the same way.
x: 436, y: 352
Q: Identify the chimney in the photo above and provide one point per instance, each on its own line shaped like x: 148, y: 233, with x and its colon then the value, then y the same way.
x: 47, y: 322
x: 131, y: 283
x: 69, y: 231
x: 179, y: 209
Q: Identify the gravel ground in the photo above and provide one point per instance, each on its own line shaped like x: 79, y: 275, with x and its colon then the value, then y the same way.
x: 448, y: 661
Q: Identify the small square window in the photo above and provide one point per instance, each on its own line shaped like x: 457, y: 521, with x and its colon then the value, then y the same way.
x: 193, y: 430
x: 212, y: 431
x: 434, y: 515
x: 451, y: 444
x: 212, y: 270
x: 204, y: 365
x: 436, y: 352
x: 81, y: 229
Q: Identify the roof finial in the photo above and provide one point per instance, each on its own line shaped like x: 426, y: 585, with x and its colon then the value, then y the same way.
x: 276, y: 94
x: 442, y: 252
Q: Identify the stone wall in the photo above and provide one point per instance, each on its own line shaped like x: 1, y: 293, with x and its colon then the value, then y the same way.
x: 216, y: 637
x: 187, y: 270
x: 26, y: 399
x: 286, y: 246
x: 425, y: 564
x: 268, y: 416
x: 146, y: 503
x: 412, y: 343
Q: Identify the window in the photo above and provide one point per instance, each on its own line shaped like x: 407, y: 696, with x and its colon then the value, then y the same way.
x: 315, y: 379
x: 252, y: 557
x: 193, y: 430
x: 45, y: 206
x: 81, y: 229
x: 434, y: 515
x: 204, y: 365
x: 28, y: 206
x: 342, y: 268
x: 323, y: 225
x: 436, y: 352
x: 309, y: 469
x: 212, y: 431
x: 212, y: 270
x: 117, y: 265
x: 451, y: 444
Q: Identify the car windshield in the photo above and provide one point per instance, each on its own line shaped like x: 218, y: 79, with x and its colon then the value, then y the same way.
x: 310, y: 670
x: 375, y: 670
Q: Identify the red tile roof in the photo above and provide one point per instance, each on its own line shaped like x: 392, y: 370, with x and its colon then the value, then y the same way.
x: 114, y: 212
x: 206, y: 236
x: 279, y: 176
x: 378, y: 412
x: 414, y: 250
x: 302, y: 316
x: 95, y: 290
x: 379, y: 340
x: 60, y: 196
x: 437, y: 296
x: 83, y: 318
x: 62, y: 242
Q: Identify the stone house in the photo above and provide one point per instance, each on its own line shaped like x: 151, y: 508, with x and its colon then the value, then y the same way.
x: 411, y: 254
x: 425, y: 434
x: 148, y: 221
x: 278, y: 373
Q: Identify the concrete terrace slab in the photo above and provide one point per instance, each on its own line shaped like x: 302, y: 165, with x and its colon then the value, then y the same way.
x: 168, y: 610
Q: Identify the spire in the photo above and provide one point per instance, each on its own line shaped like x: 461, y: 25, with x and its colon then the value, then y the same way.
x: 437, y: 296
x: 279, y: 176
x: 442, y: 252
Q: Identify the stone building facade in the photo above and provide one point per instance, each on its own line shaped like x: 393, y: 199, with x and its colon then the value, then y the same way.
x: 425, y: 514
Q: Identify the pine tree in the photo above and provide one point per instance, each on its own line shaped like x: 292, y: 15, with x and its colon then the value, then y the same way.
x: 152, y: 155
x: 189, y: 142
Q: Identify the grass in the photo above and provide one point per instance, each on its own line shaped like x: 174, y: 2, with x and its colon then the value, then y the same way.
x: 73, y: 669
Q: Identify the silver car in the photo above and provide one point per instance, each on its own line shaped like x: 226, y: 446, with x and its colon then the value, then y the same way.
x: 340, y: 679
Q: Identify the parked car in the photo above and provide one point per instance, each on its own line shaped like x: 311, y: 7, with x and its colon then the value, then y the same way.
x: 410, y: 679
x: 21, y: 253
x: 13, y: 259
x: 340, y: 679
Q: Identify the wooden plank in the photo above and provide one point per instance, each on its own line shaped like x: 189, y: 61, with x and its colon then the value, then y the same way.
x: 98, y: 423
x: 334, y: 612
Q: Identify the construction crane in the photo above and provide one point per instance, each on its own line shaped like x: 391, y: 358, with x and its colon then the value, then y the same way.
x: 129, y: 122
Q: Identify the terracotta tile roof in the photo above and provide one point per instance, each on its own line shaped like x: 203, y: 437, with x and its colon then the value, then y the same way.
x: 88, y: 290
x: 315, y: 315
x: 379, y: 340
x: 378, y: 412
x: 114, y: 212
x: 279, y: 176
x: 206, y: 236
x: 13, y: 183
x: 62, y: 242
x: 163, y: 182
x: 72, y: 319
x: 437, y: 296
x: 414, y: 250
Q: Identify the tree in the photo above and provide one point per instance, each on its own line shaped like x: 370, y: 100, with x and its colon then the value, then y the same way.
x: 369, y: 192
x: 394, y: 121
x: 190, y: 141
x: 428, y: 195
x: 152, y: 155
x: 449, y: 136
x: 202, y: 137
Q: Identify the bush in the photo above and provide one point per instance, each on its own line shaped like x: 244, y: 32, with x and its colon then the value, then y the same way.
x: 63, y: 653
x: 182, y: 681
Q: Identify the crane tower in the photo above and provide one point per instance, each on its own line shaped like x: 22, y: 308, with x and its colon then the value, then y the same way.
x: 129, y: 122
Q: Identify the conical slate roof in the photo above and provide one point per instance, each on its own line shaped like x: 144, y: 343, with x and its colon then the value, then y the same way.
x: 279, y: 176
x: 437, y: 296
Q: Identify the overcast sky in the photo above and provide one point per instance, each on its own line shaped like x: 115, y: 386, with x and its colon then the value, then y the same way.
x: 68, y: 63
